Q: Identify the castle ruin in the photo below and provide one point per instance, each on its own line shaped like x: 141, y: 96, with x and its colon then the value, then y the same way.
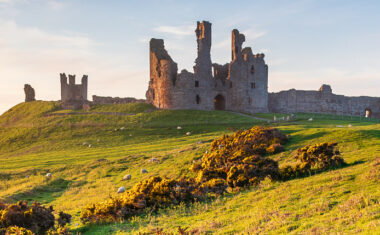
x: 73, y: 96
x: 29, y: 93
x: 241, y: 85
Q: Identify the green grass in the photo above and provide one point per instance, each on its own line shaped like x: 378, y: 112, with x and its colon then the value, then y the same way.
x: 34, y: 142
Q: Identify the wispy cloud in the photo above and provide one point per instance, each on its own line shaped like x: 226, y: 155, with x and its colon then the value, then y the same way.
x: 176, y: 30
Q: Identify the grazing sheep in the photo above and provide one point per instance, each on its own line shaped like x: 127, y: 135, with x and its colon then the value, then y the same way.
x: 90, y: 146
x: 154, y: 160
x: 179, y: 128
x: 188, y: 133
x: 310, y: 119
x: 48, y: 176
x: 127, y: 177
x: 85, y: 143
x: 144, y: 171
x: 122, y: 128
x: 121, y: 190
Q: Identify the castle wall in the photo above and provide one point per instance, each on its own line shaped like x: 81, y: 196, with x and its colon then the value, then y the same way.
x: 322, y: 101
x: 73, y: 96
x: 115, y: 100
x: 231, y: 87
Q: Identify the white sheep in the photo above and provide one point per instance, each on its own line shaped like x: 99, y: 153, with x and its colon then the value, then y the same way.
x: 179, y: 128
x: 310, y: 119
x: 121, y: 190
x: 122, y: 128
x: 90, y: 145
x: 188, y: 133
x: 127, y: 177
x: 48, y: 175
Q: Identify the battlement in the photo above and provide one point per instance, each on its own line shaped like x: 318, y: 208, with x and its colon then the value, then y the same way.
x: 73, y: 96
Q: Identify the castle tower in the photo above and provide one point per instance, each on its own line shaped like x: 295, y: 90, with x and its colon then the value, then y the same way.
x: 73, y: 96
x: 203, y: 63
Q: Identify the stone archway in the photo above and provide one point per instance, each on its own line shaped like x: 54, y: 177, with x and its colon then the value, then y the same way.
x: 219, y: 103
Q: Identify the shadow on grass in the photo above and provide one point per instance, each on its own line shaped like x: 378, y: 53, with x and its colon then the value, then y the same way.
x: 45, y: 193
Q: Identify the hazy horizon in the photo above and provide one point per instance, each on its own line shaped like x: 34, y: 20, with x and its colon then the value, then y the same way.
x: 306, y: 43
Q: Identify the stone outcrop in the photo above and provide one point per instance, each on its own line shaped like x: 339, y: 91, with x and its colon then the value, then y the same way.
x: 241, y: 85
x: 115, y: 100
x: 73, y: 96
x: 29, y: 93
x: 323, y: 101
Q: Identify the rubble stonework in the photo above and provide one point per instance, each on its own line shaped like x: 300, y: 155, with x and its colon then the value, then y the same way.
x: 115, y: 100
x: 241, y: 85
x: 29, y: 93
x: 73, y: 96
x: 323, y: 101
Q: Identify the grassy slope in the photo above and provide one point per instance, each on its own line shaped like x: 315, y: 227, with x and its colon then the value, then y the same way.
x: 33, y: 143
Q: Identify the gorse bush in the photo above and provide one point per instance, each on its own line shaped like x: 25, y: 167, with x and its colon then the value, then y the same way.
x: 153, y: 192
x: 23, y: 218
x: 237, y: 158
x: 312, y: 159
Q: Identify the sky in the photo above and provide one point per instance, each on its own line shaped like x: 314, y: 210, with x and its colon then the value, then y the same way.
x: 306, y: 43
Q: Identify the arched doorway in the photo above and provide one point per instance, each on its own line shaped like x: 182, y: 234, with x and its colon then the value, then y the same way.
x: 219, y: 102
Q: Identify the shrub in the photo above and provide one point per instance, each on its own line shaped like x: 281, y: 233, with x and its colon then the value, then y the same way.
x: 21, y: 217
x: 153, y: 192
x: 312, y: 159
x: 236, y: 158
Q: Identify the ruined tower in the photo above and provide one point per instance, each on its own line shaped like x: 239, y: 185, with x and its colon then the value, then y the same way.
x: 241, y: 85
x: 73, y: 96
x: 29, y: 93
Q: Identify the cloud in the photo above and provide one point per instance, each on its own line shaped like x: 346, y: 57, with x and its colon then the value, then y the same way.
x: 56, y: 5
x: 252, y: 34
x: 176, y: 30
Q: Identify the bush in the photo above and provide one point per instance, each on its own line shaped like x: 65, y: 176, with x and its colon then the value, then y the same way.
x: 21, y: 217
x: 312, y: 159
x: 236, y: 158
x: 153, y: 192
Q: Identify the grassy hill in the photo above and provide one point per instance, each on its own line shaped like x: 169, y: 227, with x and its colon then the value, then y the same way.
x: 37, y: 137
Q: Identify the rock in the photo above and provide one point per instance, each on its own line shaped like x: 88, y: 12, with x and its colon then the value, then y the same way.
x: 144, y: 171
x: 349, y: 125
x: 98, y: 140
x: 154, y: 160
x: 116, y: 129
x: 90, y: 146
x: 48, y: 175
x: 127, y: 177
x: 200, y: 142
x: 340, y: 126
x: 188, y: 133
x: 310, y: 119
x: 130, y: 135
x: 122, y: 128
x: 287, y: 118
x: 121, y: 190
x: 206, y: 151
x: 27, y: 176
x: 179, y: 128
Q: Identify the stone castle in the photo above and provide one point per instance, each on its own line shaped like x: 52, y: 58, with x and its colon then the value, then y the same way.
x: 240, y: 85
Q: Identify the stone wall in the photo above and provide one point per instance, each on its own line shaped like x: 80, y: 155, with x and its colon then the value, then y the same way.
x: 29, y: 93
x: 241, y: 85
x: 115, y: 100
x: 73, y: 96
x: 322, y: 101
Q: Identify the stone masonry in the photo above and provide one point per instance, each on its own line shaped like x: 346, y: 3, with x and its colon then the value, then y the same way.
x: 241, y: 85
x: 73, y: 96
x: 29, y: 93
x: 323, y: 101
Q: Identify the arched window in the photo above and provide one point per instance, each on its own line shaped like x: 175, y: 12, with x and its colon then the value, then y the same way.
x: 196, y: 83
x: 198, y: 99
x: 252, y: 69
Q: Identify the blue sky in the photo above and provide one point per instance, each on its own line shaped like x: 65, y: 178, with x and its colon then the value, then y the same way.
x: 306, y: 42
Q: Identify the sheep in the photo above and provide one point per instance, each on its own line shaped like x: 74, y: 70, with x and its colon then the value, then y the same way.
x: 85, y: 143
x: 127, y: 177
x: 179, y: 128
x: 122, y: 128
x: 144, y: 171
x: 121, y: 190
x: 90, y: 146
x: 48, y: 176
x: 310, y: 119
x: 188, y: 133
x: 349, y: 125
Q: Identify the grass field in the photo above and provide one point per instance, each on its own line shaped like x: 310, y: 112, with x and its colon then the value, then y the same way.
x: 37, y: 137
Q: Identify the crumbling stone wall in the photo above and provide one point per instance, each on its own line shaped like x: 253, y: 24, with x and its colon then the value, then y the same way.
x: 73, y: 96
x: 29, y: 93
x: 115, y: 100
x: 322, y: 101
x: 241, y: 85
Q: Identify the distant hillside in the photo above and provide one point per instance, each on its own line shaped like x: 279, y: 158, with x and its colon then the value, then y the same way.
x: 88, y: 153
